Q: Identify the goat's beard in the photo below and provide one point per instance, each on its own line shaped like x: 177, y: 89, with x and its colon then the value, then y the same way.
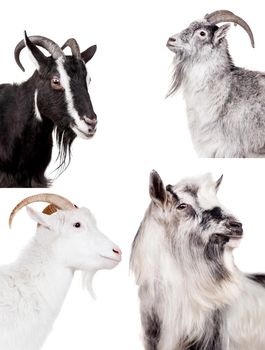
x: 87, y: 278
x: 178, y: 73
x: 64, y: 138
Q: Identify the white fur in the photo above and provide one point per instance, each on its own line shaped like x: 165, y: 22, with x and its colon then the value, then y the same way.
x: 33, y: 288
x: 80, y: 127
x: 36, y: 109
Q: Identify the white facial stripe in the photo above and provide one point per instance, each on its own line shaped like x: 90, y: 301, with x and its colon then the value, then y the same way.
x: 65, y: 82
x: 36, y: 109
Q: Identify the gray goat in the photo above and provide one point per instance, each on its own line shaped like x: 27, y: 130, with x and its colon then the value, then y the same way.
x: 225, y: 103
x: 192, y: 295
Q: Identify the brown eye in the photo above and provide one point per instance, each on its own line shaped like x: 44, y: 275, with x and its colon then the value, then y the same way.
x: 77, y: 225
x: 182, y: 206
x: 56, y: 84
x: 202, y: 33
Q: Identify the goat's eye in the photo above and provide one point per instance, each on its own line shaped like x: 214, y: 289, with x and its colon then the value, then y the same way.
x: 56, y: 84
x: 182, y: 206
x: 202, y: 33
x: 77, y: 225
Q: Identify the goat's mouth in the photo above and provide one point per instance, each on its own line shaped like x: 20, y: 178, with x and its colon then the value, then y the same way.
x: 117, y: 260
x: 226, y: 237
x: 90, y: 133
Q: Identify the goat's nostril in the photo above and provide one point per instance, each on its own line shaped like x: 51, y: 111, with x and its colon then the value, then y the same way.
x: 172, y: 39
x: 235, y: 224
x: 116, y: 251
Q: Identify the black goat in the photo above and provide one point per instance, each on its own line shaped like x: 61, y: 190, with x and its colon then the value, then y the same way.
x: 56, y: 98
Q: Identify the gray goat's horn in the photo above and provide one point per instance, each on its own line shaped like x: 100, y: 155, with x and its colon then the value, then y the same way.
x: 46, y: 43
x: 57, y: 201
x: 72, y: 43
x: 228, y: 16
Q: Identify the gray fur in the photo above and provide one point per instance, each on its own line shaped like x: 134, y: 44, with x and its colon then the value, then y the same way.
x: 225, y: 103
x: 192, y: 296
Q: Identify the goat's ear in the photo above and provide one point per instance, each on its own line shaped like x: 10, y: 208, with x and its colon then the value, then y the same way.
x: 38, y: 58
x: 157, y: 189
x: 218, y: 183
x: 89, y: 53
x: 220, y: 34
x: 40, y: 218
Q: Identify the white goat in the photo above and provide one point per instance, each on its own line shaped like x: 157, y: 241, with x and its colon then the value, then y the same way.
x: 192, y: 295
x: 33, y: 288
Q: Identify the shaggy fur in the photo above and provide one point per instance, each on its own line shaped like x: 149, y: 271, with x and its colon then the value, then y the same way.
x: 33, y: 288
x: 192, y: 296
x: 225, y: 103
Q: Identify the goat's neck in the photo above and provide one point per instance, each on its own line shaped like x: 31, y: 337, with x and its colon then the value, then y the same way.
x: 44, y: 281
x: 202, y: 75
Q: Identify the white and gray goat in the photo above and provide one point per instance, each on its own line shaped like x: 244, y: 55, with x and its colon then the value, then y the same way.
x: 225, y: 103
x: 192, y: 295
x: 33, y: 288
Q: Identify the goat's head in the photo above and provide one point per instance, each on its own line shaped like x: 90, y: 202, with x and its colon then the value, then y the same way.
x: 187, y: 222
x: 61, y: 87
x: 72, y: 234
x: 201, y: 40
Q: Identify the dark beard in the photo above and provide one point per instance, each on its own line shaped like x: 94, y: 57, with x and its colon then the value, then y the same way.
x: 64, y: 139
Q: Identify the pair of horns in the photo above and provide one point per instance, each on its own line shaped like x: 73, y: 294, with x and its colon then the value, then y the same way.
x: 49, y: 45
x: 228, y: 16
x: 55, y: 202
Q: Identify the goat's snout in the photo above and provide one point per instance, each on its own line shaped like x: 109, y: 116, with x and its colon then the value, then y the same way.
x: 171, y: 42
x: 117, y: 251
x: 235, y: 227
x: 92, y: 123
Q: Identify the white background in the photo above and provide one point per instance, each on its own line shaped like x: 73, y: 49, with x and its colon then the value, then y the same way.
x: 138, y: 130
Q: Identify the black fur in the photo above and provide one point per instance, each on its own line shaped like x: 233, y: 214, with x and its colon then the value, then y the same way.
x: 258, y: 278
x: 152, y: 330
x: 25, y: 142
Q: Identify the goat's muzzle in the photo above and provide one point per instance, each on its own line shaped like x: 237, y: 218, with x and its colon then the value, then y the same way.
x: 235, y: 229
x: 92, y: 124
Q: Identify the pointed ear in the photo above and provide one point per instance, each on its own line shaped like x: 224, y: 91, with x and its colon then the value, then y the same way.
x: 157, y: 189
x: 36, y: 55
x: 42, y: 219
x: 88, y: 53
x: 218, y: 183
x: 220, y: 34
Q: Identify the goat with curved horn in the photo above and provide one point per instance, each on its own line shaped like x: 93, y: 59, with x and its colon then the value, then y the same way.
x: 54, y: 99
x: 228, y: 16
x: 65, y: 242
x: 230, y: 123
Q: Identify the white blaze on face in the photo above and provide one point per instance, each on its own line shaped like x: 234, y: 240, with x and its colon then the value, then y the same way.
x: 36, y: 109
x: 81, y: 128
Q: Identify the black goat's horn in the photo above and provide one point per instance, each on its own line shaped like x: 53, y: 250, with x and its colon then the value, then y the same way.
x: 72, y: 43
x: 228, y: 16
x: 49, y: 45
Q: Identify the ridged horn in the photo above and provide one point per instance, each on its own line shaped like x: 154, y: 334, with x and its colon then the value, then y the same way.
x: 228, y: 16
x: 72, y: 43
x: 57, y: 201
x: 41, y: 41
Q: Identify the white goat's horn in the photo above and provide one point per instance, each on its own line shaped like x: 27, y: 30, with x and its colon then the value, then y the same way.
x: 57, y: 201
x: 228, y: 16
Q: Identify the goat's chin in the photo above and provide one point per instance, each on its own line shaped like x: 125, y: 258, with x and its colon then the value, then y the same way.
x: 82, y: 134
x: 233, y: 243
